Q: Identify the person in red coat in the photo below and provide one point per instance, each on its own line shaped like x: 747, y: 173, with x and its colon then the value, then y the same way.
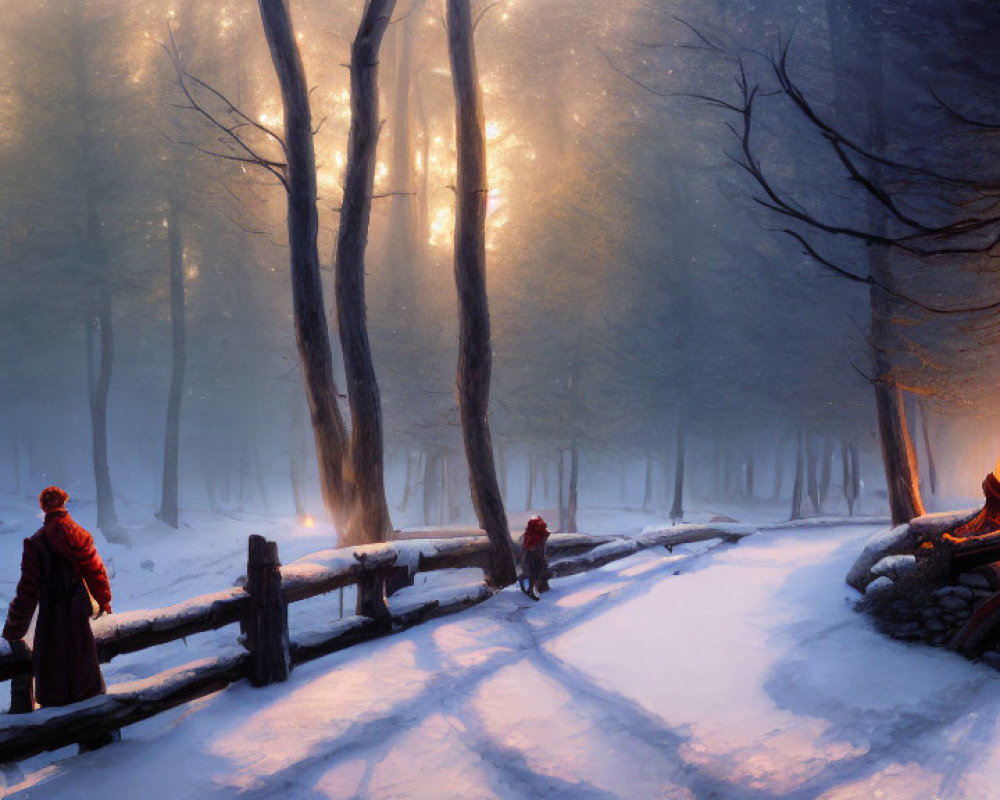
x: 63, y: 575
x: 534, y: 564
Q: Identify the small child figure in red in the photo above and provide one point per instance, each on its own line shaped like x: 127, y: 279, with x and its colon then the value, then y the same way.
x: 534, y: 564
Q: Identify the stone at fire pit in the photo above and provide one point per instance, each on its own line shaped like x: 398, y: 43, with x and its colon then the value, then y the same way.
x: 937, y: 579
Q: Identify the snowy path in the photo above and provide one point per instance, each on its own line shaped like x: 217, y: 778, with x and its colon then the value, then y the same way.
x: 745, y: 676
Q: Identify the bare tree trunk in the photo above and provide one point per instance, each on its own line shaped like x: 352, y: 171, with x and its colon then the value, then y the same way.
x: 812, y: 484
x: 423, y: 193
x: 407, y: 481
x: 749, y: 485
x: 475, y: 359
x: 563, y: 512
x: 311, y: 332
x: 168, y: 512
x: 931, y: 467
x: 369, y: 520
x: 848, y: 482
x: 572, y: 501
x: 799, y: 477
x: 849, y: 31
x: 677, y: 509
x: 532, y: 470
x: 402, y: 217
x: 855, y: 476
x: 647, y: 492
x: 431, y: 489
x: 101, y: 354
x: 825, y: 471
x: 779, y: 470
x: 897, y: 454
x: 100, y: 334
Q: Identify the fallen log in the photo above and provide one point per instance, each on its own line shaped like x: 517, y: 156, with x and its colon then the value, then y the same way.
x: 598, y: 557
x: 26, y: 735
x: 343, y: 633
x: 322, y: 572
x: 131, y: 631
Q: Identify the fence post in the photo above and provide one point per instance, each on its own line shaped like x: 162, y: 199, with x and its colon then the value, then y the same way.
x: 22, y: 699
x: 371, y: 597
x: 266, y: 623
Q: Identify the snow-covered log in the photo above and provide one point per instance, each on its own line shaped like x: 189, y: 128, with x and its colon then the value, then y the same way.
x: 823, y: 522
x: 690, y: 533
x: 343, y: 633
x: 599, y: 556
x: 136, y: 630
x: 25, y: 735
x: 412, y: 611
x: 428, y: 555
x: 568, y: 544
x: 322, y: 572
x: 900, y: 539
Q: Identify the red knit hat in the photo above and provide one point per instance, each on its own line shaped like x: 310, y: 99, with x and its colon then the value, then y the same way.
x: 52, y: 498
x: 537, y: 524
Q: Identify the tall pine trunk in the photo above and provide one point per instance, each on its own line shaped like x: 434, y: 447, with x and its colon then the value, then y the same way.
x: 800, y: 458
x: 826, y: 470
x: 677, y: 509
x: 369, y: 520
x: 100, y: 359
x: 168, y: 512
x: 475, y: 358
x: 779, y: 470
x: 849, y: 31
x: 647, y: 492
x: 311, y: 331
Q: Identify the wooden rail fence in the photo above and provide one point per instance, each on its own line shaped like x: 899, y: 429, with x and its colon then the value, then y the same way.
x: 261, y: 609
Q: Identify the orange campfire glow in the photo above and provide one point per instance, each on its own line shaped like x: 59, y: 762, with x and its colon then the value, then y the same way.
x: 308, y: 522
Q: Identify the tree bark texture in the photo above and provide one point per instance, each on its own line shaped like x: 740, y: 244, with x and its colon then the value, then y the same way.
x: 573, y: 498
x: 931, y: 466
x: 266, y: 621
x: 369, y: 520
x: 677, y: 509
x: 100, y: 333
x: 825, y: 470
x: 168, y: 512
x: 311, y: 331
x: 800, y: 458
x: 475, y: 357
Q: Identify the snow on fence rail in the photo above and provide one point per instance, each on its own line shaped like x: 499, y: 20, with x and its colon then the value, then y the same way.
x: 261, y: 608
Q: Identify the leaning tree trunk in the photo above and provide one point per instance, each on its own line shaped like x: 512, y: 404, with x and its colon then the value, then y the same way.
x: 369, y: 518
x: 800, y: 457
x: 311, y: 331
x: 475, y: 358
x: 677, y: 509
x: 168, y: 512
x: 931, y: 466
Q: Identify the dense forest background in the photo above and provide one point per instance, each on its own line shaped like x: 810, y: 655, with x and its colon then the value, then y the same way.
x: 639, y: 296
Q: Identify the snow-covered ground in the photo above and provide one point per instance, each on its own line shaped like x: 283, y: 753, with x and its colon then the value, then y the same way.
x: 736, y: 671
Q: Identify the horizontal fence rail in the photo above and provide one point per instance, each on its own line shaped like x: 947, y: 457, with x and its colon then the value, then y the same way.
x: 260, y: 607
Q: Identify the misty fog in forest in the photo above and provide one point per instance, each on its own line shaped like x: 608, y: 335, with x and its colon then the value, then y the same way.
x: 668, y: 271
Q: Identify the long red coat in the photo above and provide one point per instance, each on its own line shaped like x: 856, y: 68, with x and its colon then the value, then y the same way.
x: 57, y: 561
